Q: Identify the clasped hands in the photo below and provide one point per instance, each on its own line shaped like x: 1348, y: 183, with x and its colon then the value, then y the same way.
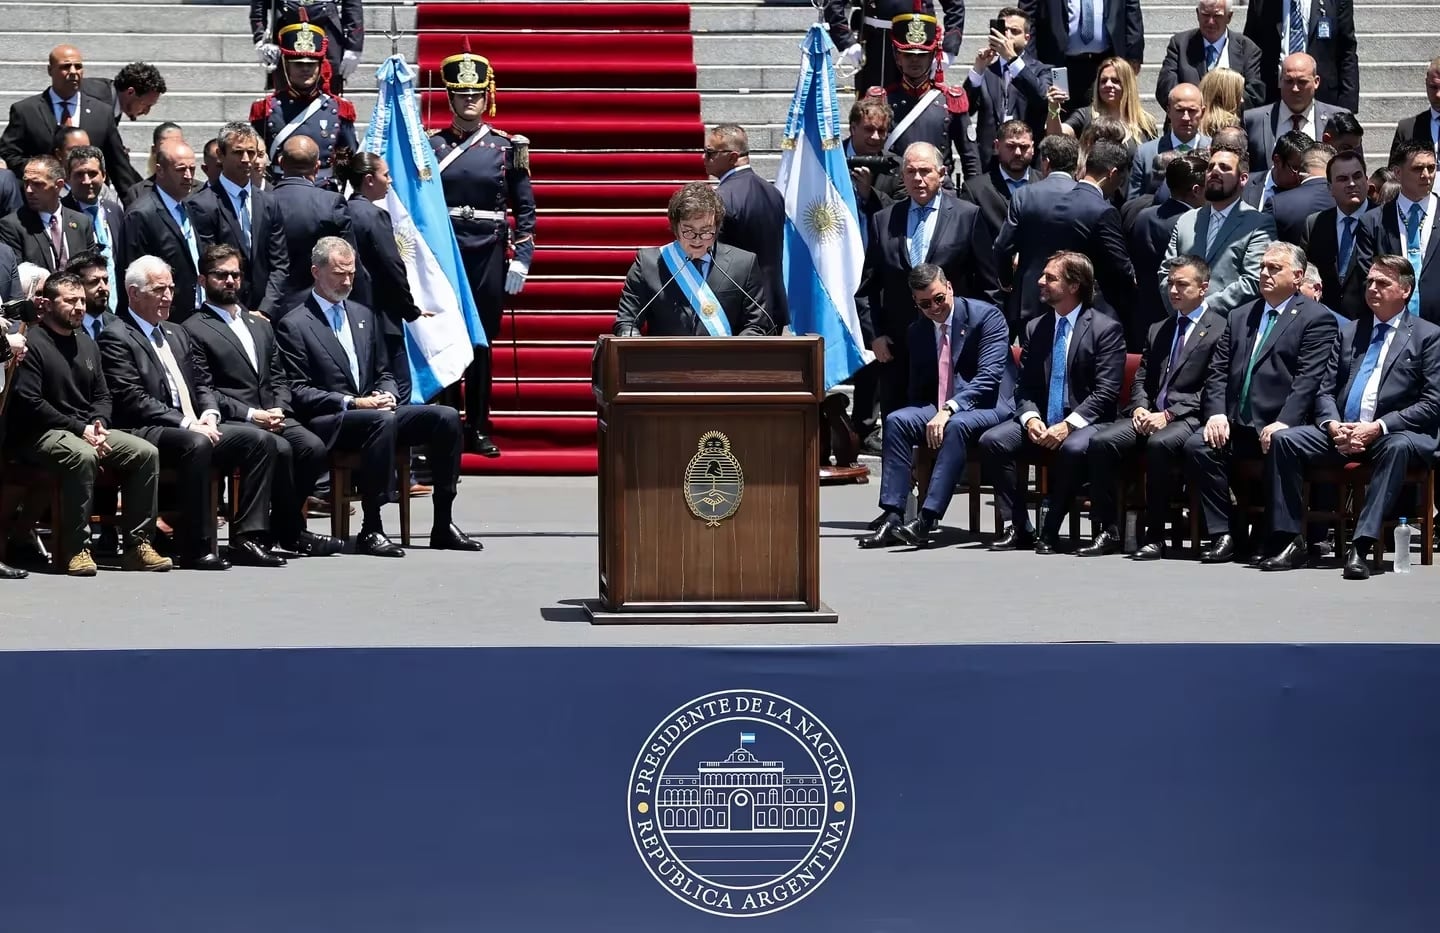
x: 1352, y: 438
x: 95, y: 435
x: 376, y: 401
x: 1050, y: 438
x: 1147, y: 422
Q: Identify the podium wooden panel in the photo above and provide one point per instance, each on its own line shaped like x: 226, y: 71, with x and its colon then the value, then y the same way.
x: 660, y: 563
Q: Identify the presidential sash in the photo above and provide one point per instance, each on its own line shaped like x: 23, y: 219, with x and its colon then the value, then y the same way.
x: 697, y: 291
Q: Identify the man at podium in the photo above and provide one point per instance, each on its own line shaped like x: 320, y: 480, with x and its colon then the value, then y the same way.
x: 693, y: 286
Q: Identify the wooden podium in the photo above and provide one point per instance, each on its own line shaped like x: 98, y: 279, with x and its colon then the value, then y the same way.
x: 709, y: 491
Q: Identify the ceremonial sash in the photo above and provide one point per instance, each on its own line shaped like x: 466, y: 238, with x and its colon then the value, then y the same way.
x: 911, y: 117
x: 464, y: 147
x: 289, y: 129
x: 697, y: 291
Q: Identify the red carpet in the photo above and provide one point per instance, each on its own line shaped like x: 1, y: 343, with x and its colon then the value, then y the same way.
x: 606, y: 94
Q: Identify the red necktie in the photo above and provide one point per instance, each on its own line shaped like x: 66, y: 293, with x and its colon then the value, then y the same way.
x: 1298, y: 119
x: 65, y: 117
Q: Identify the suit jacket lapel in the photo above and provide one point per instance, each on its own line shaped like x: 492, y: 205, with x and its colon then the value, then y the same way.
x: 1195, y: 51
x: 1283, y: 321
x: 944, y: 218
x: 208, y: 316
x: 1197, y: 332
x: 1405, y: 326
x: 1202, y: 230
x: 1434, y: 238
x: 361, y: 339
x: 1230, y: 221
x: 1082, y: 324
x: 331, y: 342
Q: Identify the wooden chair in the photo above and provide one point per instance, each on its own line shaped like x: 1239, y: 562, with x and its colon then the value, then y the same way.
x: 343, y: 466
x: 1351, y: 481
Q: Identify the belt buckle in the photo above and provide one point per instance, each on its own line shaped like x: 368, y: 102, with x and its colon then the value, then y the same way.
x: 467, y: 213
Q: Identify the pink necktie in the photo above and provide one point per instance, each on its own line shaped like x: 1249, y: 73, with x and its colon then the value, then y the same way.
x: 57, y: 240
x: 947, y: 368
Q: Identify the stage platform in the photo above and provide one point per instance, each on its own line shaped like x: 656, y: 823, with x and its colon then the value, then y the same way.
x: 539, y: 563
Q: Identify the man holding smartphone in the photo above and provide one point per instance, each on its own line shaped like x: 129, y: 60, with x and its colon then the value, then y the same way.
x: 1003, y: 86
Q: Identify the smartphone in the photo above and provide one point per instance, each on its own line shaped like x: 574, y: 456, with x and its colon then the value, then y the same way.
x: 997, y: 25
x: 1060, y: 77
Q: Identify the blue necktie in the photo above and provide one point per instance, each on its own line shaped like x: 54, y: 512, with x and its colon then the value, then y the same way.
x: 1087, y: 24
x: 1412, y: 250
x: 243, y: 196
x: 102, y: 236
x: 1055, y: 403
x: 918, y: 246
x: 1212, y: 55
x: 188, y: 232
x: 1016, y: 183
x: 1367, y: 369
x: 1347, y: 245
x: 337, y: 324
x: 1297, y: 28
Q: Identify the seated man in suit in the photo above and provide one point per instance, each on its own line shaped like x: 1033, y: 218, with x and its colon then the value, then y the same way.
x: 334, y: 355
x: 162, y: 393
x: 1003, y: 87
x: 1009, y: 171
x: 1185, y: 109
x: 1162, y: 413
x: 1331, y: 235
x: 1405, y: 227
x: 59, y: 417
x: 962, y: 383
x: 159, y: 224
x: 1264, y: 377
x: 44, y: 231
x: 1070, y: 375
x: 1194, y: 53
x: 1381, y: 406
x: 693, y: 286
x: 239, y: 352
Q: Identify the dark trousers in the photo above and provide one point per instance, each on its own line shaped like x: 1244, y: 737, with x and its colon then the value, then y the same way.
x: 1164, y: 451
x: 300, y: 461
x: 905, y: 430
x: 486, y: 270
x: 399, y: 357
x: 862, y: 407
x: 1294, y: 449
x: 241, y: 447
x: 1208, y: 469
x: 1002, y: 447
x: 1081, y: 70
x: 376, y: 434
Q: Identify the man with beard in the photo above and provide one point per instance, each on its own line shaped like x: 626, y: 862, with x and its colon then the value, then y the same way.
x: 302, y: 104
x: 240, y: 352
x: 93, y: 271
x: 1227, y: 233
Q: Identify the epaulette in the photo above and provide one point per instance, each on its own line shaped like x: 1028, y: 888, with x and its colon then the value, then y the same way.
x: 956, y: 100
x: 520, y: 146
x: 877, y: 91
x: 345, y: 109
x: 499, y: 132
x: 260, y: 110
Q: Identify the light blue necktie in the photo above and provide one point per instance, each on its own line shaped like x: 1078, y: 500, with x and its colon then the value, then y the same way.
x: 1087, y: 23
x: 243, y: 196
x: 918, y: 246
x: 347, y: 339
x: 188, y: 232
x: 1412, y: 250
x: 1367, y: 369
x: 1297, y: 28
x: 1347, y: 245
x: 1055, y: 404
x: 102, y: 236
x: 1212, y: 55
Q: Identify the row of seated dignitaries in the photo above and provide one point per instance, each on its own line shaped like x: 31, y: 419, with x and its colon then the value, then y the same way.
x: 225, y: 391
x: 1281, y: 379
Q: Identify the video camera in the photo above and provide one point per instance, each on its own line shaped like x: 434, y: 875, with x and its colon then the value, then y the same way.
x: 21, y: 310
x: 877, y: 164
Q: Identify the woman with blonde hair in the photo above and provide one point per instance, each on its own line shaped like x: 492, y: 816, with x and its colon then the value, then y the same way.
x: 1117, y: 95
x: 1223, y: 92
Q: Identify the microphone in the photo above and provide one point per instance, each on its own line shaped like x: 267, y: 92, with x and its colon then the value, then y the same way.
x: 640, y: 315
x: 715, y: 264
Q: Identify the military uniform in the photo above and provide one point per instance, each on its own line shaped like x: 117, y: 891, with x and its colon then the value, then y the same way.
x: 342, y: 20
x: 871, y: 25
x: 328, y: 120
x: 940, y: 107
x: 481, y: 172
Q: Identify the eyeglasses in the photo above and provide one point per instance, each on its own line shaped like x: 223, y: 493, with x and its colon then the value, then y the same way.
x: 692, y: 235
x: 925, y: 304
x: 224, y: 274
x: 712, y: 153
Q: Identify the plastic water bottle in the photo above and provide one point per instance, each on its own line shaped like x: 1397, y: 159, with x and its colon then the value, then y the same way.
x: 1403, y: 533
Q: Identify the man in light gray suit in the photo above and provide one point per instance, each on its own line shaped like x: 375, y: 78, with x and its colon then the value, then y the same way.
x: 1230, y: 234
x: 1297, y: 110
x: 1185, y: 110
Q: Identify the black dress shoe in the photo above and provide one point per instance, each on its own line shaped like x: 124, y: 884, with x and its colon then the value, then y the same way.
x: 1292, y: 556
x: 478, y: 443
x: 1106, y: 542
x: 451, y: 538
x: 1046, y: 544
x: 12, y: 573
x: 1151, y: 551
x: 886, y: 533
x: 247, y: 553
x: 1356, y: 566
x: 1014, y: 539
x: 205, y: 562
x: 917, y: 531
x: 1220, y: 551
x: 309, y: 544
x: 376, y: 544
x: 879, y: 520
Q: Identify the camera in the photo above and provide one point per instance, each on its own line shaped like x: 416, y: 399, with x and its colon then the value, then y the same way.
x: 877, y: 164
x: 21, y: 310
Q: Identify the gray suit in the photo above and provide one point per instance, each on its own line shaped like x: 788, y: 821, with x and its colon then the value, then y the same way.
x: 1234, y: 258
x: 1262, y: 126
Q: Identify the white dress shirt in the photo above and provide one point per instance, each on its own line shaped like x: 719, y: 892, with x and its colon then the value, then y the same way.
x: 1308, y: 127
x: 1223, y: 47
x: 738, y: 168
x: 1279, y: 310
x: 1101, y: 43
x: 1369, y: 398
x: 74, y: 103
x: 1285, y: 29
x: 1427, y: 221
x: 236, y: 323
x: 1074, y: 419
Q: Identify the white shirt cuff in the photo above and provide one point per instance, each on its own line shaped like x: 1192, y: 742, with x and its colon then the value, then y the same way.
x: 208, y: 412
x: 250, y: 414
x: 1028, y: 417
x: 1077, y: 421
x: 975, y: 78
x: 1383, y: 428
x: 1015, y: 67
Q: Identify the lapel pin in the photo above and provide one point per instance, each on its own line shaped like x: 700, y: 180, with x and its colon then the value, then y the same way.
x: 360, y: 324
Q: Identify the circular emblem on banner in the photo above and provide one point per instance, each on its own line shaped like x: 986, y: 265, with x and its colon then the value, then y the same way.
x: 741, y: 803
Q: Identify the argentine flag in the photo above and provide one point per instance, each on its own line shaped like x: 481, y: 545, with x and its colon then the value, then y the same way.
x: 440, y: 347
x: 823, y: 249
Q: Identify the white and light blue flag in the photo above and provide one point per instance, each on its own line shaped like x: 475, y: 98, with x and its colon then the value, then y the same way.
x: 440, y: 347
x: 823, y: 249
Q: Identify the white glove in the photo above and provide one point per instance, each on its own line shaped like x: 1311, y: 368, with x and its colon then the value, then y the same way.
x: 515, y: 277
x: 851, y: 55
x: 348, y: 62
x: 268, y: 54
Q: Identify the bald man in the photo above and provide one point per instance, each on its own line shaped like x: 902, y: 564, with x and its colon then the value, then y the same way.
x: 1326, y: 32
x: 1186, y: 109
x: 1301, y: 107
x: 31, y: 127
x: 309, y: 213
x: 158, y: 224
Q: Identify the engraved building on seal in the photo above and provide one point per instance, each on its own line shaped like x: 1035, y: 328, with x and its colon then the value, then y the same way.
x: 743, y: 793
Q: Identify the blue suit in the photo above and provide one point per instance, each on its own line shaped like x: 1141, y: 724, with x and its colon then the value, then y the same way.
x: 983, y: 388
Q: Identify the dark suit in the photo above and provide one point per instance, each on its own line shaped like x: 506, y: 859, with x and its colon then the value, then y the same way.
x: 1254, y: 191
x: 1163, y: 451
x: 755, y: 222
x: 240, y: 386
x: 991, y: 192
x: 1050, y: 35
x: 670, y: 314
x: 320, y: 380
x: 1263, y: 126
x: 1185, y: 64
x: 1336, y: 61
x: 1083, y: 220
x: 307, y: 214
x: 10, y: 197
x: 1291, y: 208
x: 264, y: 258
x: 884, y: 303
x: 142, y: 405
x: 9, y: 276
x: 1343, y: 290
x: 983, y: 388
x: 1148, y: 240
x: 1094, y: 369
x: 1143, y: 179
x: 1380, y: 233
x: 24, y: 232
x: 1024, y: 99
x: 382, y: 283
x: 152, y: 230
x: 1407, y: 403
x: 1029, y: 207
x: 1289, y: 370
x: 1419, y: 128
x: 30, y: 131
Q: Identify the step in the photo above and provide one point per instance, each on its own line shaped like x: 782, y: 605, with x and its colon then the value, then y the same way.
x: 620, y: 165
x: 543, y: 362
x: 583, y: 262
x: 520, y: 462
x: 496, y: 15
x: 540, y: 395
x: 544, y: 431
x: 628, y: 230
x: 568, y: 295
x: 528, y: 325
x: 575, y: 195
x: 150, y: 18
x: 601, y: 131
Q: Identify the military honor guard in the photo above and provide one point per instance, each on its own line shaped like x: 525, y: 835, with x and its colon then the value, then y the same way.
x: 863, y: 36
x: 342, y: 20
x: 925, y: 108
x: 302, y: 103
x: 484, y: 169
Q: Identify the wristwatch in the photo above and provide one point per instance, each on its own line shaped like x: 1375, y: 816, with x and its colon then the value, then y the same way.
x: 951, y: 407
